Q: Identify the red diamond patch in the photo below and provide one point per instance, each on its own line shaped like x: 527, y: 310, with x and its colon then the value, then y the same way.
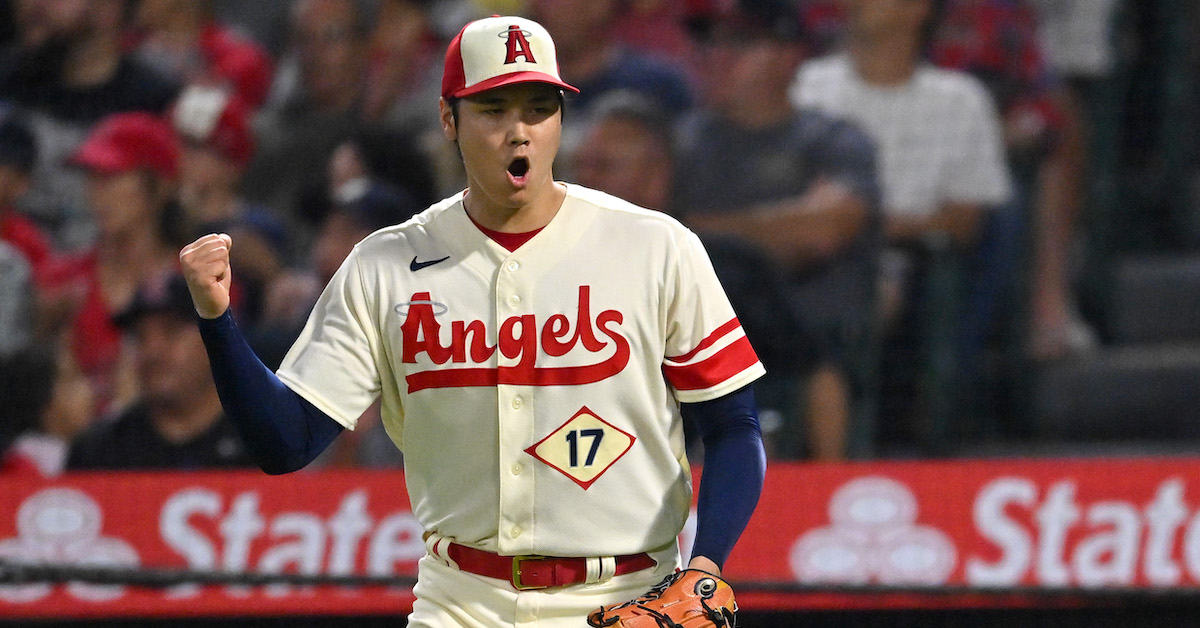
x: 583, y: 448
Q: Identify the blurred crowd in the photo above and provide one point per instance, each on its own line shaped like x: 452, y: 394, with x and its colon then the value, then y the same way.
x: 884, y: 187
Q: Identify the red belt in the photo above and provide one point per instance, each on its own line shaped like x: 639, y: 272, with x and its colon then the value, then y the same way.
x: 537, y: 572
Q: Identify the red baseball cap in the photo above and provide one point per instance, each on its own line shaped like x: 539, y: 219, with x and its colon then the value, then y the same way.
x: 214, y: 118
x: 128, y: 141
x: 497, y: 51
x: 240, y: 62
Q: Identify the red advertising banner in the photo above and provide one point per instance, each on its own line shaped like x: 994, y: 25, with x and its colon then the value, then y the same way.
x: 987, y: 524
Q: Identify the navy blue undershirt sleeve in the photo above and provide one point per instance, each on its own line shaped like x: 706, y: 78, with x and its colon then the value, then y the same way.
x: 282, y: 430
x: 735, y: 464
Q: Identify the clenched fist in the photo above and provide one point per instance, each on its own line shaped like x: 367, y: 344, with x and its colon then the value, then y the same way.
x: 205, y: 265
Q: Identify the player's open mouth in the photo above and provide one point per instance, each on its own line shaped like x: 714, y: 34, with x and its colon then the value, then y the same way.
x: 518, y: 169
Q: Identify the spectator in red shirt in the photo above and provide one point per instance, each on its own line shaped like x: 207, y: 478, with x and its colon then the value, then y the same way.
x: 132, y: 165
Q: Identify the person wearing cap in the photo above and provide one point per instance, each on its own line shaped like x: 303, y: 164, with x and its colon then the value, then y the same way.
x: 177, y: 421
x: 535, y: 346
x: 68, y: 70
x: 799, y: 185
x: 131, y: 163
x: 217, y: 144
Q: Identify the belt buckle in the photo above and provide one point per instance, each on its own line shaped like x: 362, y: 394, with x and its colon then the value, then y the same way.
x: 516, y: 573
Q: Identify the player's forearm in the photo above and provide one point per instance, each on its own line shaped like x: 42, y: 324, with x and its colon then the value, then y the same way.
x: 734, y: 468
x: 281, y: 429
x: 959, y: 221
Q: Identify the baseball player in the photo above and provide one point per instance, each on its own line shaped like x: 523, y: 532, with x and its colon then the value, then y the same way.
x: 534, y: 345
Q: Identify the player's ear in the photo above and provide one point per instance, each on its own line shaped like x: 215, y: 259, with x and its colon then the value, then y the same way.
x: 449, y: 126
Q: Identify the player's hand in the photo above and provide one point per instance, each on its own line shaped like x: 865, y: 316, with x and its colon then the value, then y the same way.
x: 205, y: 266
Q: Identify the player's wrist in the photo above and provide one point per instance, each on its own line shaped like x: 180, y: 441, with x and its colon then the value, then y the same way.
x: 705, y: 564
x: 224, y: 319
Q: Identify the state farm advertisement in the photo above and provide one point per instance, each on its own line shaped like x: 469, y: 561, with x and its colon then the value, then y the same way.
x: 1088, y: 523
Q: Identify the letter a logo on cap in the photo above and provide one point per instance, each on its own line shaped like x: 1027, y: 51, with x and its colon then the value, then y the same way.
x: 517, y: 45
x: 474, y: 63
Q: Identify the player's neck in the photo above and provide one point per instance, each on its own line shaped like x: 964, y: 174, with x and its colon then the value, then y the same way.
x: 179, y: 421
x: 531, y: 216
x: 885, y: 63
x: 762, y: 112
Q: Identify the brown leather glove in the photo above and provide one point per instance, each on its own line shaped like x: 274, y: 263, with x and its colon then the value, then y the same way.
x: 685, y: 599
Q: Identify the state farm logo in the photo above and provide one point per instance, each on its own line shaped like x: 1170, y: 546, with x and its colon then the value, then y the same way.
x: 63, y: 526
x: 874, y: 537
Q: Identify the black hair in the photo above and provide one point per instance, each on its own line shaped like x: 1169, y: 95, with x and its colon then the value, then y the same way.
x: 171, y: 220
x: 394, y: 156
x: 18, y: 144
x: 933, y: 21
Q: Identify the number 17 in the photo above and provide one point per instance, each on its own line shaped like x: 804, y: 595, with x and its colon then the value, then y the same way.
x: 596, y: 434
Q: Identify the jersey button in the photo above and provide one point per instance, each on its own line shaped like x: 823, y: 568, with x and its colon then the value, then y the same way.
x: 514, y: 300
x: 517, y: 468
x: 517, y: 402
x: 515, y: 532
x: 512, y: 267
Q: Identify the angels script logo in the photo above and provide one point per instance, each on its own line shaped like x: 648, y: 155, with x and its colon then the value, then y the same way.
x: 521, y: 339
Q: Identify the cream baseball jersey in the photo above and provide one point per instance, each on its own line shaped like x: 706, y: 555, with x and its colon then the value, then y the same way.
x: 534, y: 393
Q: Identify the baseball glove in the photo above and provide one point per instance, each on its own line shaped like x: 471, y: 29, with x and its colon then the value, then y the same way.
x: 685, y: 599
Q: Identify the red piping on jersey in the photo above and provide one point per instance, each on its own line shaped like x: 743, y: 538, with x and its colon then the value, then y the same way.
x: 518, y: 376
x: 712, y: 338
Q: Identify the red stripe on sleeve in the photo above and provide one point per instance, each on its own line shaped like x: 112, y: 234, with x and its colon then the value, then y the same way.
x: 726, y: 363
x: 712, y: 338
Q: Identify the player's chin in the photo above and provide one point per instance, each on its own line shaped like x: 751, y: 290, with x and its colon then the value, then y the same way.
x: 516, y: 184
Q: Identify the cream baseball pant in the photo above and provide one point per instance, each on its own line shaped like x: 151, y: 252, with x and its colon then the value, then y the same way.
x: 449, y: 598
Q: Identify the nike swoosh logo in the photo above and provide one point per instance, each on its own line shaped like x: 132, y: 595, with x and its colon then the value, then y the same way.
x: 414, y: 265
